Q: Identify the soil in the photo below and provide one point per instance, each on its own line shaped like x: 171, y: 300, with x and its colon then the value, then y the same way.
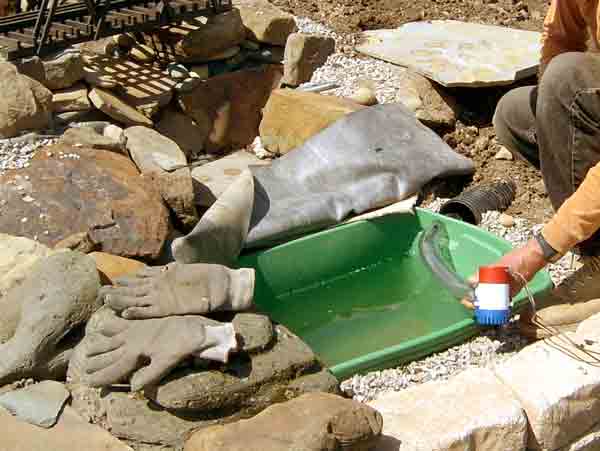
x: 473, y: 136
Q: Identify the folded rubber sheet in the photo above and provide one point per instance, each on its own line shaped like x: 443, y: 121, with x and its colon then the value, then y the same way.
x: 368, y: 159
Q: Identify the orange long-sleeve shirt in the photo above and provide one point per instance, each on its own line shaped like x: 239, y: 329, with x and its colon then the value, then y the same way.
x: 567, y: 27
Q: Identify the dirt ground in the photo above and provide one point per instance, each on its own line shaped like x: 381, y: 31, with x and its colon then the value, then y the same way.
x: 473, y: 136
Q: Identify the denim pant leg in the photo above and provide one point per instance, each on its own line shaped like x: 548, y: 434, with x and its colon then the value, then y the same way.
x: 514, y: 123
x: 556, y: 126
x: 568, y: 127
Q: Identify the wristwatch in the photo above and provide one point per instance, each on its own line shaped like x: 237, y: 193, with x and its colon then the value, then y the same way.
x: 549, y: 253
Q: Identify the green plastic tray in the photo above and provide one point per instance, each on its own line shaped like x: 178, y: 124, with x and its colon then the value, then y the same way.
x: 360, y: 295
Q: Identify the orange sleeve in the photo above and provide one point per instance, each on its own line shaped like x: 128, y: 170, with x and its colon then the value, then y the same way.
x: 578, y: 217
x: 564, y: 30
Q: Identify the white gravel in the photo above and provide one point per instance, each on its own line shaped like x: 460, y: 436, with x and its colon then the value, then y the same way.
x: 16, y: 153
x: 350, y: 69
x: 493, y: 346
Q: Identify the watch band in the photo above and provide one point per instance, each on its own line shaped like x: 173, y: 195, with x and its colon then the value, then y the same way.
x: 549, y: 253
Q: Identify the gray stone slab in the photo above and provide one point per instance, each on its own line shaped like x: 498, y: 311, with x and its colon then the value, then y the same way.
x: 38, y: 404
x: 457, y: 53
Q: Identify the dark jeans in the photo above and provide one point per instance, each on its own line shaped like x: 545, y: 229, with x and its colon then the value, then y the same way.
x: 556, y: 126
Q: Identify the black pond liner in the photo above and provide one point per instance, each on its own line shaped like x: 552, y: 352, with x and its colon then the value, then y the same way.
x: 470, y: 205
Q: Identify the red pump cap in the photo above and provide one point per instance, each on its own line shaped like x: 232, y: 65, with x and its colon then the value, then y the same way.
x: 494, y: 274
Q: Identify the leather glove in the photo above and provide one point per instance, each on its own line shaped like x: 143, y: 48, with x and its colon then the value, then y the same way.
x: 150, y: 349
x: 180, y: 289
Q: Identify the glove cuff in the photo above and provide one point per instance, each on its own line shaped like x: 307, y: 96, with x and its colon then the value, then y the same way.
x: 241, y: 289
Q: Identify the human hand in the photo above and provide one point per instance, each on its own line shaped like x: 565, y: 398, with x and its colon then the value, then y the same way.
x: 523, y: 264
x: 149, y: 349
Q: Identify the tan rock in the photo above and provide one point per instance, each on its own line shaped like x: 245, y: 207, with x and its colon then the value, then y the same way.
x: 142, y: 53
x: 63, y: 70
x: 74, y: 98
x: 17, y: 254
x: 430, y: 103
x: 503, y: 154
x: 304, y: 53
x: 96, y: 79
x: 364, y: 96
x: 266, y: 23
x: 26, y: 104
x: 97, y: 191
x: 80, y: 242
x: 153, y: 152
x: 220, y: 32
x: 291, y: 117
x: 557, y: 384
x: 215, y: 177
x: 89, y: 138
x: 506, y: 220
x: 233, y: 103
x: 116, y: 108
x: 589, y: 442
x: 177, y: 190
x: 312, y: 422
x: 473, y: 411
x: 71, y: 432
x: 124, y: 40
x: 32, y: 67
x: 189, y: 135
x: 111, y: 266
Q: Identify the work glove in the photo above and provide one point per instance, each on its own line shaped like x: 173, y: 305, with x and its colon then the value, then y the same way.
x: 180, y: 289
x: 150, y: 349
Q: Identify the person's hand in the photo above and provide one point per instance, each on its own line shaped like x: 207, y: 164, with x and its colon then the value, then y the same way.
x: 526, y: 261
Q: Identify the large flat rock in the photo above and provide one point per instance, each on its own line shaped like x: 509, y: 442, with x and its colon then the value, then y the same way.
x: 85, y: 190
x: 153, y: 152
x: 457, y: 53
x: 472, y: 412
x: 71, y: 432
x: 558, y: 385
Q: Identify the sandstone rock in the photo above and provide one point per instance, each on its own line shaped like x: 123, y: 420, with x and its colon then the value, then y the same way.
x: 71, y: 99
x: 304, y: 53
x: 589, y: 442
x: 95, y: 191
x: 40, y: 315
x: 215, y: 177
x: 17, y: 254
x: 124, y: 40
x: 321, y: 382
x: 364, y: 96
x: 432, y: 106
x: 32, y: 67
x: 72, y: 118
x: 80, y: 242
x: 485, y: 415
x: 26, y: 104
x: 233, y: 102
x: 111, y: 267
x: 503, y: 154
x: 40, y: 404
x: 89, y: 138
x: 177, y: 190
x: 313, y: 422
x: 254, y: 332
x: 98, y: 79
x: 244, y: 386
x: 152, y: 151
x: 219, y: 33
x: 142, y: 53
x: 506, y: 220
x: 266, y: 23
x: 464, y: 57
x: 63, y: 70
x: 561, y: 405
x: 71, y: 432
x: 114, y: 132
x: 291, y: 117
x: 116, y: 108
x: 189, y: 135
